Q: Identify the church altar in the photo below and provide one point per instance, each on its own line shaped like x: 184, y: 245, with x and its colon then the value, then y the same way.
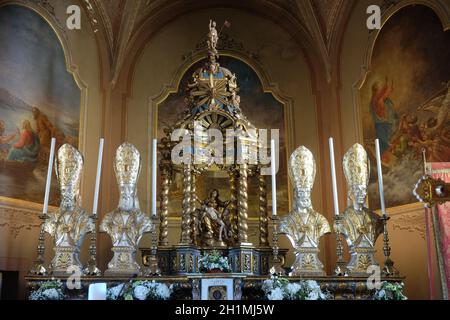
x: 244, y: 287
x: 212, y: 224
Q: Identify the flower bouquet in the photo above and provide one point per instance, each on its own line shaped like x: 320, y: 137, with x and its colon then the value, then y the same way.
x: 48, y: 290
x: 213, y: 262
x: 390, y: 291
x: 278, y: 288
x: 139, y: 290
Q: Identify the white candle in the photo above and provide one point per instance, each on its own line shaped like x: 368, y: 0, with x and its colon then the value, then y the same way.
x: 154, y: 175
x: 97, y: 179
x: 49, y: 175
x: 380, y: 176
x: 333, y: 178
x: 274, y: 176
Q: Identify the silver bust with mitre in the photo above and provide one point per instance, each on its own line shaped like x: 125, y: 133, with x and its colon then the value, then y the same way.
x: 127, y: 224
x: 304, y: 226
x: 70, y: 223
x: 359, y: 225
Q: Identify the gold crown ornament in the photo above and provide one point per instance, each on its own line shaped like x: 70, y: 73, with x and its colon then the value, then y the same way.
x: 356, y: 166
x: 68, y: 166
x: 302, y: 168
x: 127, y: 165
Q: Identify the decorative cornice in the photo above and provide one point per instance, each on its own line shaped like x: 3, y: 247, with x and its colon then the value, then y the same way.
x: 16, y: 220
x: 409, y: 217
x: 411, y: 222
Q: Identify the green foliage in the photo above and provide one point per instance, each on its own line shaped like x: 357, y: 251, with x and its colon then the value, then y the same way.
x: 48, y: 290
x: 390, y: 291
x: 214, y: 260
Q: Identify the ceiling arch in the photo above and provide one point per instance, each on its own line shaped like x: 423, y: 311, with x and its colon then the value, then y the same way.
x: 125, y: 25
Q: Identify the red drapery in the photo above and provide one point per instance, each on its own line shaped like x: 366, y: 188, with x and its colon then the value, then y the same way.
x: 441, y: 170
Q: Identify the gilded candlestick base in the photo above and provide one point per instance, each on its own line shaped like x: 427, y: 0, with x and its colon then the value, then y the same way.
x: 152, y: 263
x: 38, y: 268
x: 276, y: 268
x: 341, y: 270
x: 389, y: 270
x: 153, y: 267
x: 341, y: 266
x: 92, y: 269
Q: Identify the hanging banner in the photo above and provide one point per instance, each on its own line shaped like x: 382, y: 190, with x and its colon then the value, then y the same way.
x: 441, y: 170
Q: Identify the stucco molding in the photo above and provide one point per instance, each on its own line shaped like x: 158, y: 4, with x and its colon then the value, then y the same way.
x: 17, y: 220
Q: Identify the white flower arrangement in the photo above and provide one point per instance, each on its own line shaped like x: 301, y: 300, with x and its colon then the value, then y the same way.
x: 390, y: 291
x: 140, y: 290
x: 278, y: 288
x: 48, y: 290
x: 213, y: 261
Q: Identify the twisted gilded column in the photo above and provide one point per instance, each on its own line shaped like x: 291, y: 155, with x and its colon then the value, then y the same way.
x: 194, y: 217
x: 263, y: 221
x: 186, y: 217
x: 232, y: 207
x: 164, y: 209
x: 243, y: 204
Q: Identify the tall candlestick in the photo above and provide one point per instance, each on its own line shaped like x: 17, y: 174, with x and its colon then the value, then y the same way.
x: 380, y: 176
x: 389, y: 268
x: 274, y: 176
x: 154, y: 175
x: 49, y: 176
x: 99, y: 173
x: 333, y: 177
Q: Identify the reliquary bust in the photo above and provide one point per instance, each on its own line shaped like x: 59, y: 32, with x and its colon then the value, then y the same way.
x: 127, y: 224
x: 304, y: 226
x: 69, y: 224
x: 360, y: 226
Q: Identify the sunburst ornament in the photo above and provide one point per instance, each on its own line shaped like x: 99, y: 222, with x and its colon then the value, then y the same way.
x: 211, y: 92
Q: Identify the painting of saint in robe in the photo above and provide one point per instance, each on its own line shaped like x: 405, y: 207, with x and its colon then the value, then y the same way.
x: 405, y: 101
x: 384, y: 116
x: 27, y: 148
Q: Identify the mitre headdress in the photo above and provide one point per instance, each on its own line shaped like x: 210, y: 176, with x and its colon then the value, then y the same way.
x: 356, y: 166
x: 302, y: 168
x: 127, y: 164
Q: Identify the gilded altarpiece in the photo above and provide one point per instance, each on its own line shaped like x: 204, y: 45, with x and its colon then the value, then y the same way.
x: 261, y: 107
